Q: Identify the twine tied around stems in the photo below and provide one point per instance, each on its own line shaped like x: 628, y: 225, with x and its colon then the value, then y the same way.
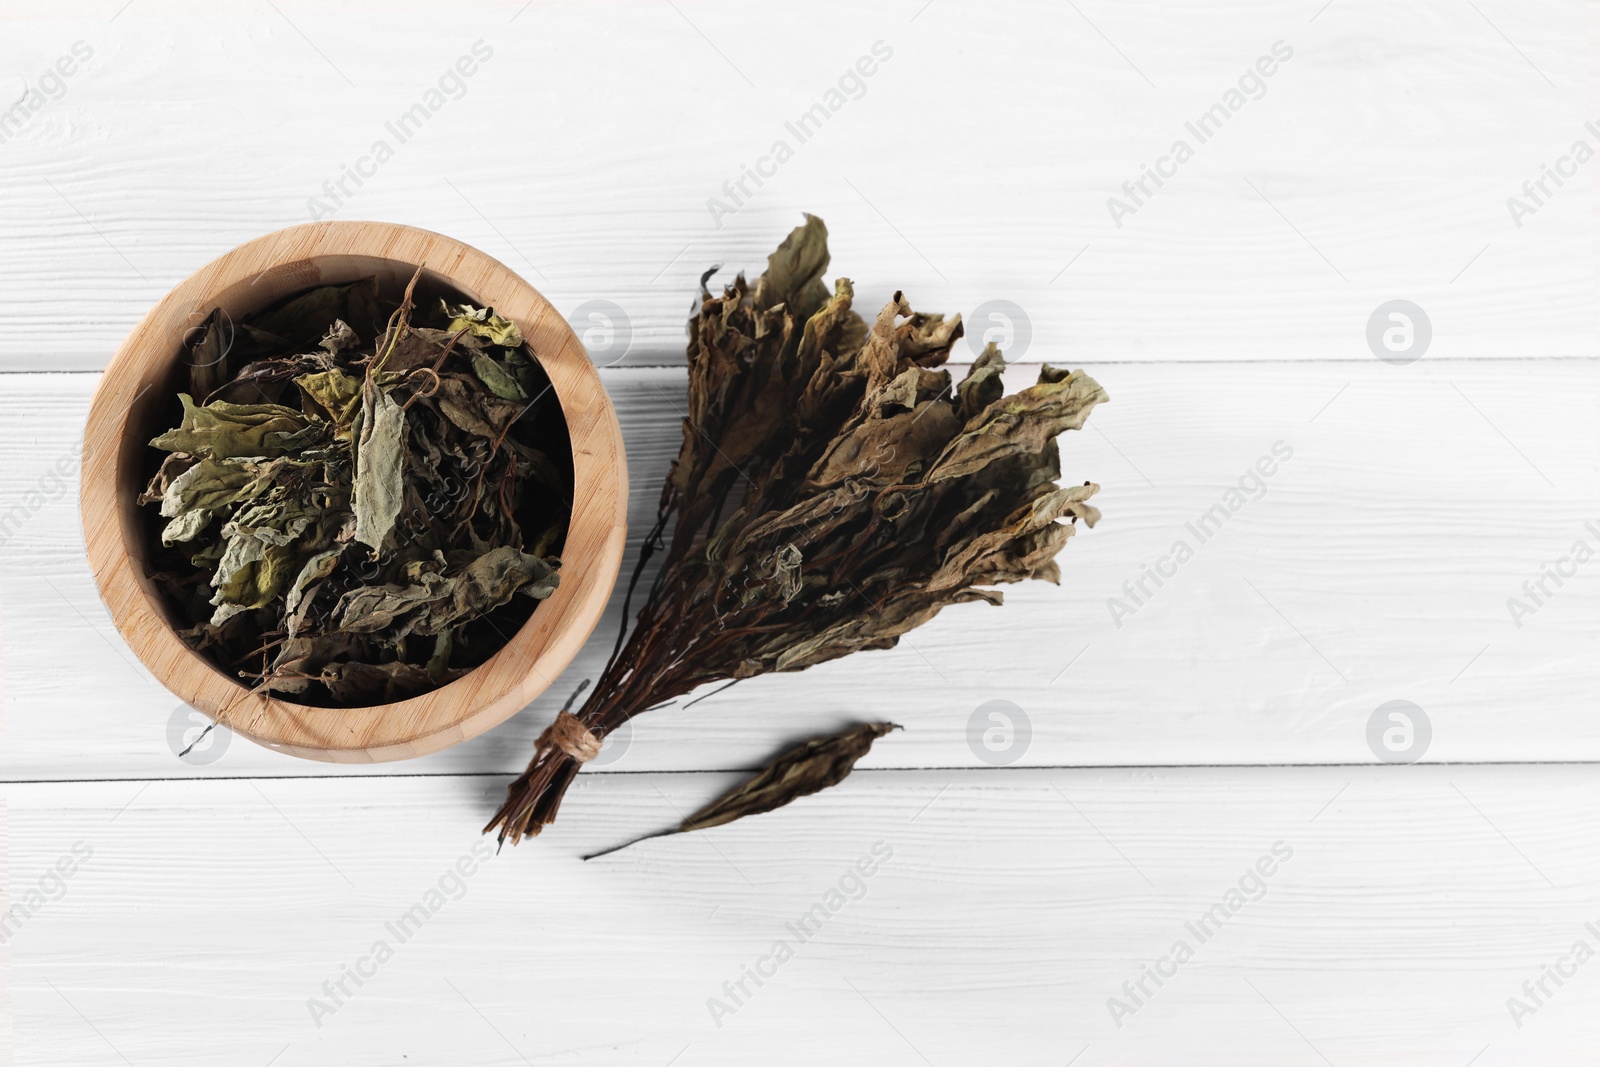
x: 572, y: 737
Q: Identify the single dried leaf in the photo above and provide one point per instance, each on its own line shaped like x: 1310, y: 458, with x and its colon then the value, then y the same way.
x: 483, y: 322
x: 794, y: 271
x: 496, y: 377
x: 436, y: 601
x: 1023, y: 423
x: 191, y: 498
x: 338, y: 393
x: 473, y: 410
x: 208, y: 355
x: 314, y: 570
x: 807, y: 768
x: 339, y: 338
x: 380, y: 467
x: 412, y: 348
x: 222, y: 430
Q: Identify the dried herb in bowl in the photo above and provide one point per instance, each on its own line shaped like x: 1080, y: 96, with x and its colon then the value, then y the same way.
x: 364, y: 498
x: 835, y: 489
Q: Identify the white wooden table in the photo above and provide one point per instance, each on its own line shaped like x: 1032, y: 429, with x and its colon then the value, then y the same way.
x: 170, y: 913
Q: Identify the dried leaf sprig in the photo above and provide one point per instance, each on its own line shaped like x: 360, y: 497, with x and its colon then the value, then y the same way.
x: 809, y: 767
x: 358, y: 492
x: 835, y: 489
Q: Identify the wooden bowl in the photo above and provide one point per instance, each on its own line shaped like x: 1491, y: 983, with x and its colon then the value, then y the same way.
x: 138, y: 387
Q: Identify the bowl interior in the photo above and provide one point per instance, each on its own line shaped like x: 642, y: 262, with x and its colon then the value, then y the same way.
x: 157, y: 410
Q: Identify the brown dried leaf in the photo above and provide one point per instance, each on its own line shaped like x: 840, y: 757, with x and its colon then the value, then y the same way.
x: 807, y: 768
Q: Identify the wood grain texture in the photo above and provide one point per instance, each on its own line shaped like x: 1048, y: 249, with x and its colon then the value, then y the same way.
x: 1377, y: 164
x: 1012, y: 906
x: 1377, y: 566
x: 1228, y: 313
x: 125, y: 411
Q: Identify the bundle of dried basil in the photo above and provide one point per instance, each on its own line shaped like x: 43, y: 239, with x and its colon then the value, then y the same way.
x: 357, y: 492
x: 834, y: 491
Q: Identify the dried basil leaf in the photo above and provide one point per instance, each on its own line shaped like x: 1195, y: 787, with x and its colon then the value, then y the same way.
x: 380, y: 467
x: 222, y: 430
x: 208, y: 355
x: 496, y: 377
x: 483, y: 322
x: 338, y: 394
x: 794, y: 272
x: 438, y: 601
x: 807, y: 768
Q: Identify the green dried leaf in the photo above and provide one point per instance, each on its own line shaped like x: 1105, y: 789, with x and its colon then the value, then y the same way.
x: 483, y: 322
x: 260, y: 557
x: 473, y: 410
x: 807, y: 768
x: 339, y: 338
x: 496, y: 377
x: 191, y: 498
x: 222, y: 430
x: 380, y: 467
x: 315, y: 569
x: 437, y: 601
x: 338, y: 393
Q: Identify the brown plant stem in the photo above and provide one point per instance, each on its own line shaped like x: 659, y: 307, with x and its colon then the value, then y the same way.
x: 533, y: 799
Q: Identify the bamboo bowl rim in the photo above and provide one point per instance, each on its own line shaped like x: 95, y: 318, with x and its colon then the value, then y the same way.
x: 248, y: 278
